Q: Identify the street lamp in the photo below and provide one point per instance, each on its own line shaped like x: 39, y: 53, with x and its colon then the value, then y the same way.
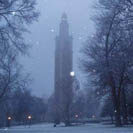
x: 29, y: 117
x: 72, y: 74
x: 9, y: 118
x: 93, y: 116
x: 76, y: 116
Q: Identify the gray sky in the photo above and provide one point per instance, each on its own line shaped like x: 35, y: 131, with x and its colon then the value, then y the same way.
x: 41, y: 61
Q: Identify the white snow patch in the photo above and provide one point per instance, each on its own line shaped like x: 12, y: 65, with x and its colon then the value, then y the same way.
x: 48, y: 128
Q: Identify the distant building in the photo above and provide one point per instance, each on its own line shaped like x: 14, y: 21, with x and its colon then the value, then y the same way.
x: 63, y: 68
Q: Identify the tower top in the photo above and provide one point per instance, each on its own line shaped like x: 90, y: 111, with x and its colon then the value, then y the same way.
x: 64, y: 17
x: 64, y: 26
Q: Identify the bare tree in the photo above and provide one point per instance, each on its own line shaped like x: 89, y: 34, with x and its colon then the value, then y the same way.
x: 15, y: 15
x: 108, y: 54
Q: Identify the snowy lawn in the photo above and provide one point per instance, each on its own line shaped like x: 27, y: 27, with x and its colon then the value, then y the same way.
x: 48, y: 128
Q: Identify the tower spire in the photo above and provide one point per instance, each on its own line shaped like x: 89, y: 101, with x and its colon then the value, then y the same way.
x: 64, y: 26
x: 64, y: 17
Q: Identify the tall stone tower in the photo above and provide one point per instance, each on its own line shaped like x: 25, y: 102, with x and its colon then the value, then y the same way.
x: 63, y: 68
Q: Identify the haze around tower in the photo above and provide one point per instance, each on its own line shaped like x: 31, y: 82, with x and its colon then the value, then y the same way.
x: 40, y: 63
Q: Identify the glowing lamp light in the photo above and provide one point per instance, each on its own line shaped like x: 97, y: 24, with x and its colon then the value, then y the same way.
x: 72, y: 74
x: 76, y: 116
x: 29, y: 117
x: 93, y: 116
x: 9, y: 118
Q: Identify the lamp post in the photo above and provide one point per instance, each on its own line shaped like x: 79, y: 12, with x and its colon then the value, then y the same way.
x: 76, y: 118
x: 9, y: 118
x: 29, y: 119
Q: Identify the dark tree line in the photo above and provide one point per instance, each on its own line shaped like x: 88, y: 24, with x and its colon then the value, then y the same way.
x: 19, y: 105
x: 15, y: 17
x: 108, y: 56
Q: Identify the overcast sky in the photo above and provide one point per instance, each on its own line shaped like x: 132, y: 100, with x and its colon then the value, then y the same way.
x: 40, y: 64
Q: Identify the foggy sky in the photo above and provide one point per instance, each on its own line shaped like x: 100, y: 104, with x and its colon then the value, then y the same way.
x: 40, y: 64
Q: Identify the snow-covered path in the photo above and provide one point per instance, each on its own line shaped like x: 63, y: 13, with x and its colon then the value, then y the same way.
x: 48, y: 128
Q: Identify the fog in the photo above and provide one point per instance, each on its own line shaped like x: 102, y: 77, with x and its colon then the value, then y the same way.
x: 66, y: 63
x: 40, y: 63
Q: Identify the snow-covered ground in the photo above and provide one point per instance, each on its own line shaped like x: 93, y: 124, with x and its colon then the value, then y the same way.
x: 48, y: 128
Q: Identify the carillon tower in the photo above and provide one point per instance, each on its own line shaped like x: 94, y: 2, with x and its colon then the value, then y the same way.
x: 63, y: 68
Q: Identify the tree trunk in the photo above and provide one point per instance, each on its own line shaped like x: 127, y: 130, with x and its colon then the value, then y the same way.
x: 124, y: 107
x: 118, y: 122
x: 116, y: 103
x: 112, y: 120
x: 67, y: 116
x: 57, y: 114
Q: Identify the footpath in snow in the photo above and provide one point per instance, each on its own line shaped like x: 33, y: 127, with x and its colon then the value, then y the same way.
x: 48, y: 128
